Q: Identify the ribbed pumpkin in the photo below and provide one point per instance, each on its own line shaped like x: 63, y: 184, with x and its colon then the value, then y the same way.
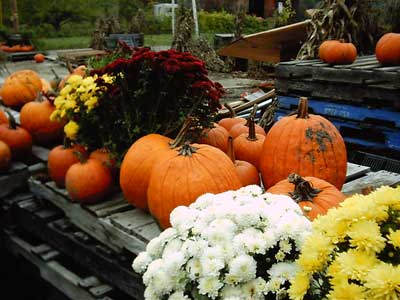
x: 248, y: 146
x: 60, y: 159
x: 35, y: 117
x: 227, y: 123
x: 21, y: 87
x: 17, y: 138
x: 193, y: 170
x: 137, y: 165
x: 88, y: 181
x: 337, y: 52
x: 248, y: 174
x: 387, y: 49
x: 5, y: 156
x: 306, y: 144
x: 3, y: 117
x: 315, y: 196
x: 217, y: 137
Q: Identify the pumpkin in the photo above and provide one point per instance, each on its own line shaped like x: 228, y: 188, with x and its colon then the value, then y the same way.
x: 315, y: 196
x: 227, y: 123
x: 137, y: 165
x: 104, y: 156
x: 248, y: 174
x: 80, y: 70
x: 60, y: 159
x: 21, y: 87
x: 39, y: 58
x: 248, y: 146
x: 306, y: 144
x: 239, y: 129
x: 88, y: 181
x: 3, y: 117
x: 17, y: 138
x: 35, y: 117
x: 217, y: 137
x: 338, y: 52
x: 5, y: 156
x: 387, y: 49
x: 45, y: 85
x: 191, y: 171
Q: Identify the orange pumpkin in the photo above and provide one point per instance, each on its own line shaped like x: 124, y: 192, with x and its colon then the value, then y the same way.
x: 35, y: 117
x: 315, y: 196
x: 88, y: 181
x: 248, y: 146
x: 5, y: 156
x: 227, y: 123
x: 191, y: 171
x: 338, y: 53
x: 45, y: 85
x: 21, y: 87
x: 80, y: 70
x: 217, y: 137
x: 306, y: 144
x: 104, y: 156
x: 387, y: 49
x: 17, y: 138
x: 137, y: 165
x: 239, y: 129
x: 39, y: 58
x: 248, y: 174
x: 3, y: 117
x: 60, y: 159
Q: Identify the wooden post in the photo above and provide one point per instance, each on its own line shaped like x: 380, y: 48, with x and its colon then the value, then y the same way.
x: 196, y: 21
x: 15, y: 19
x: 173, y: 17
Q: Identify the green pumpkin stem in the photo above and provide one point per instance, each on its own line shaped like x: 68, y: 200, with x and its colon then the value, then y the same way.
x: 231, y: 152
x: 231, y: 110
x: 252, y: 130
x: 302, y: 110
x: 181, y: 137
x: 67, y: 143
x: 303, y: 190
x: 187, y: 150
x: 11, y: 120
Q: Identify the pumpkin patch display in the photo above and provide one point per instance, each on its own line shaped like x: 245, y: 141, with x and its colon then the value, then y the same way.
x: 5, y: 156
x: 228, y: 123
x: 337, y: 52
x: 88, y: 181
x: 315, y: 196
x: 217, y: 137
x: 305, y: 144
x: 387, y: 49
x: 21, y: 87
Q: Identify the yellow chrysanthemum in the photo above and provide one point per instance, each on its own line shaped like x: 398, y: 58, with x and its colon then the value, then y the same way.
x: 336, y: 233
x: 107, y: 78
x: 347, y: 291
x: 69, y: 104
x: 366, y: 236
x: 71, y: 129
x: 383, y: 282
x: 356, y: 264
x: 386, y: 196
x: 394, y: 238
x: 91, y: 103
x: 299, y: 286
x: 335, y: 274
x: 66, y: 90
x: 55, y: 115
x: 74, y: 80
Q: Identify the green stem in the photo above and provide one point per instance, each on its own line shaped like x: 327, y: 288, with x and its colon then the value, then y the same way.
x: 303, y: 190
x: 187, y: 149
x: 11, y: 120
x: 252, y: 130
x: 181, y: 137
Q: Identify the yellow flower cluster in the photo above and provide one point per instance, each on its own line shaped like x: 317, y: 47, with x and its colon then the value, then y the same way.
x: 79, y: 96
x: 352, y: 247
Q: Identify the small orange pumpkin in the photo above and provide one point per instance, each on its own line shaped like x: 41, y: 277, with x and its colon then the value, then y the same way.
x: 104, y: 156
x: 39, y: 58
x: 387, y: 49
x: 3, y: 117
x: 5, y: 156
x: 315, y: 196
x: 217, y: 137
x: 227, y: 123
x: 88, y: 181
x: 338, y: 52
x: 45, y: 85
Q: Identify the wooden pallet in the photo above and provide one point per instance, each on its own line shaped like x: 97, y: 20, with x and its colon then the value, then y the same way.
x: 365, y: 79
x: 79, y: 57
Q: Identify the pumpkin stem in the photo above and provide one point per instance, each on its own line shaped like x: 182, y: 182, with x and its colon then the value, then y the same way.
x: 231, y: 152
x: 252, y: 130
x: 81, y: 157
x: 69, y: 67
x: 231, y: 110
x: 11, y: 120
x: 67, y: 142
x: 187, y: 149
x: 180, y: 138
x: 303, y: 190
x: 302, y: 110
x: 252, y: 114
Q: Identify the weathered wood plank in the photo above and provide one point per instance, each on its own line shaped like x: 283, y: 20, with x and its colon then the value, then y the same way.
x: 371, y: 180
x: 355, y: 171
x: 116, y: 204
x: 16, y: 177
x: 40, y: 152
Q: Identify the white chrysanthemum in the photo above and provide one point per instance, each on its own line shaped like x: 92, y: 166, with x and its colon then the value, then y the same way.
x: 211, y: 267
x: 228, y: 251
x: 153, y: 268
x: 253, y: 241
x: 241, y: 269
x: 162, y: 283
x: 210, y: 286
x: 291, y: 225
x: 270, y: 238
x: 168, y: 234
x: 285, y: 246
x: 179, y: 295
x: 255, y: 289
x: 182, y: 219
x: 141, y: 262
x: 212, y: 253
x: 198, y: 226
x: 194, y: 268
x: 232, y: 292
x: 283, y: 270
x: 219, y: 231
x: 149, y: 294
x: 247, y: 216
x: 173, y: 262
x: 155, y: 248
x: 253, y: 190
x: 273, y: 285
x: 194, y: 247
x: 203, y: 201
x: 174, y: 245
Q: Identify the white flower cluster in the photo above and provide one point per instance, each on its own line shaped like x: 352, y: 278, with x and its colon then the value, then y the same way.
x: 236, y: 245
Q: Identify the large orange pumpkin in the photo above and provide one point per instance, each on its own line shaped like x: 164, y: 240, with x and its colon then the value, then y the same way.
x: 387, y: 49
x: 227, y: 123
x: 35, y: 117
x: 306, y: 144
x: 315, y: 196
x: 191, y: 171
x: 248, y: 174
x: 88, y: 181
x: 5, y: 156
x: 217, y: 137
x: 60, y: 159
x: 137, y: 165
x: 21, y: 87
x: 17, y: 138
x: 337, y: 52
x: 3, y: 117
